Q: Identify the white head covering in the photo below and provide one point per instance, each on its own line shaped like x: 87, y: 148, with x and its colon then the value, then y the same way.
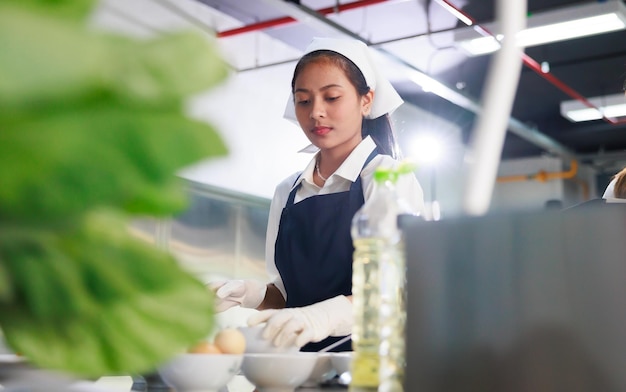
x: 609, y: 192
x: 386, y: 98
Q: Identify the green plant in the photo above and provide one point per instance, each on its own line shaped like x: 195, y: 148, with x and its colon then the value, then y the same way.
x: 92, y: 134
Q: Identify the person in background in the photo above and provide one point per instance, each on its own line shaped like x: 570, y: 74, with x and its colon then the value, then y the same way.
x: 617, y: 187
x: 342, y: 103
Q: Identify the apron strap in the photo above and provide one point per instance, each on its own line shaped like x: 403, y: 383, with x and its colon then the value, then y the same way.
x: 292, y: 194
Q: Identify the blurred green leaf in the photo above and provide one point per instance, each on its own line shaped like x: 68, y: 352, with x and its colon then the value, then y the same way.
x: 62, y: 163
x: 92, y: 131
x: 69, y: 9
x: 94, y: 301
x: 161, y: 71
x: 58, y: 63
x: 5, y: 282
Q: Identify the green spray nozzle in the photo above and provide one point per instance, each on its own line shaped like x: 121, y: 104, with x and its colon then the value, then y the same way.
x: 382, y: 174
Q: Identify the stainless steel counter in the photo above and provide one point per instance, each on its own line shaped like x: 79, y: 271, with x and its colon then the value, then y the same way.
x: 126, y: 384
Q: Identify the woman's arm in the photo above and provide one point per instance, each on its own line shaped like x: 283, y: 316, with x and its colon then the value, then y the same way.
x: 273, y: 298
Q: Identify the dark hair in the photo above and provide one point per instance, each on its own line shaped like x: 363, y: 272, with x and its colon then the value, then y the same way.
x: 380, y: 128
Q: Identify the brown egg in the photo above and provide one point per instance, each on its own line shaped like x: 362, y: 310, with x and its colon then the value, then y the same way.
x: 230, y: 341
x: 204, y: 348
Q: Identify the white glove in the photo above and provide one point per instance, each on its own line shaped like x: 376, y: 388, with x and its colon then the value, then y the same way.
x: 245, y: 293
x: 313, y: 323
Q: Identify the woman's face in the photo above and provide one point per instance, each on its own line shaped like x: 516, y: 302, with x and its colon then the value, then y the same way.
x: 328, y: 107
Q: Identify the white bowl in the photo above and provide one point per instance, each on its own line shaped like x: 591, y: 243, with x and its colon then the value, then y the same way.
x: 200, y: 372
x: 278, y: 372
x: 255, y: 344
x: 320, y: 371
x: 341, y: 361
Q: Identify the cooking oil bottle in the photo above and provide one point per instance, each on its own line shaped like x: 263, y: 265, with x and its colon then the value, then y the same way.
x: 378, y: 289
x: 365, y: 303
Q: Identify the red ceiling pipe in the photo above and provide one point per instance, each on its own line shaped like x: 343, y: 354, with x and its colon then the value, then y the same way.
x: 534, y: 65
x: 256, y: 26
x: 287, y: 19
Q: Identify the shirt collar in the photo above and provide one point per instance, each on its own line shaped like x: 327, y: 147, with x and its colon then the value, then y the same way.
x: 311, y: 149
x: 350, y: 169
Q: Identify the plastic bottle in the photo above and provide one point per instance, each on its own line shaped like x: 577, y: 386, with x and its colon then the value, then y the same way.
x: 378, y: 288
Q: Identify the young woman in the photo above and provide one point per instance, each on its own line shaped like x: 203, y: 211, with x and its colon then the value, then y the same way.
x: 342, y: 104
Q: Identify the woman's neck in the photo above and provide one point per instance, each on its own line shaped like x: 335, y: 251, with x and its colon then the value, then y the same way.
x: 329, y: 160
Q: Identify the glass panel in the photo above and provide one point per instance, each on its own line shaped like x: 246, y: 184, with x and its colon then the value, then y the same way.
x: 221, y: 234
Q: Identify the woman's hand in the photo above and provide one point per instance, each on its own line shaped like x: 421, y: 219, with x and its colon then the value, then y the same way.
x: 313, y: 323
x: 245, y: 293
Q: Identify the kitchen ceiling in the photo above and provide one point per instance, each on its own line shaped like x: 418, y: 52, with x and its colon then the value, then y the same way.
x: 418, y: 36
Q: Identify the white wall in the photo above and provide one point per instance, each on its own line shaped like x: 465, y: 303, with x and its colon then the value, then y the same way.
x: 527, y: 194
x: 263, y: 147
x: 533, y: 194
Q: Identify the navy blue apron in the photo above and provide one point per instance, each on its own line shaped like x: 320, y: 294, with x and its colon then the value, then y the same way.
x: 313, y: 250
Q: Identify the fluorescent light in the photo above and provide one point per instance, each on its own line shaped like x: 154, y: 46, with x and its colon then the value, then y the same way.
x: 426, y: 149
x: 480, y: 46
x: 609, y: 106
x: 570, y: 30
x: 581, y: 115
x: 552, y: 26
x: 427, y: 83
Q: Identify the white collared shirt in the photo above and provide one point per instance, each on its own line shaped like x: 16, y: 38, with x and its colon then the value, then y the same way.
x: 407, y: 187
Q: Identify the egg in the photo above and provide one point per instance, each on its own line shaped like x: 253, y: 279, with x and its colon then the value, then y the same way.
x: 204, y: 348
x: 230, y: 341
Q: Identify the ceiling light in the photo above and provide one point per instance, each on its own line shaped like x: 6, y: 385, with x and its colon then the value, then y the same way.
x: 480, y: 46
x: 551, y: 26
x: 609, y: 106
x: 426, y: 149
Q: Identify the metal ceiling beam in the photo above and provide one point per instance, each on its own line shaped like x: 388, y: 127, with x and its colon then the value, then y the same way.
x: 288, y: 19
x: 608, y: 162
x: 311, y: 18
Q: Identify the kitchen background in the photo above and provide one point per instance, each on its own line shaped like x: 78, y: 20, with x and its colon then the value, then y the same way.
x: 222, y: 233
